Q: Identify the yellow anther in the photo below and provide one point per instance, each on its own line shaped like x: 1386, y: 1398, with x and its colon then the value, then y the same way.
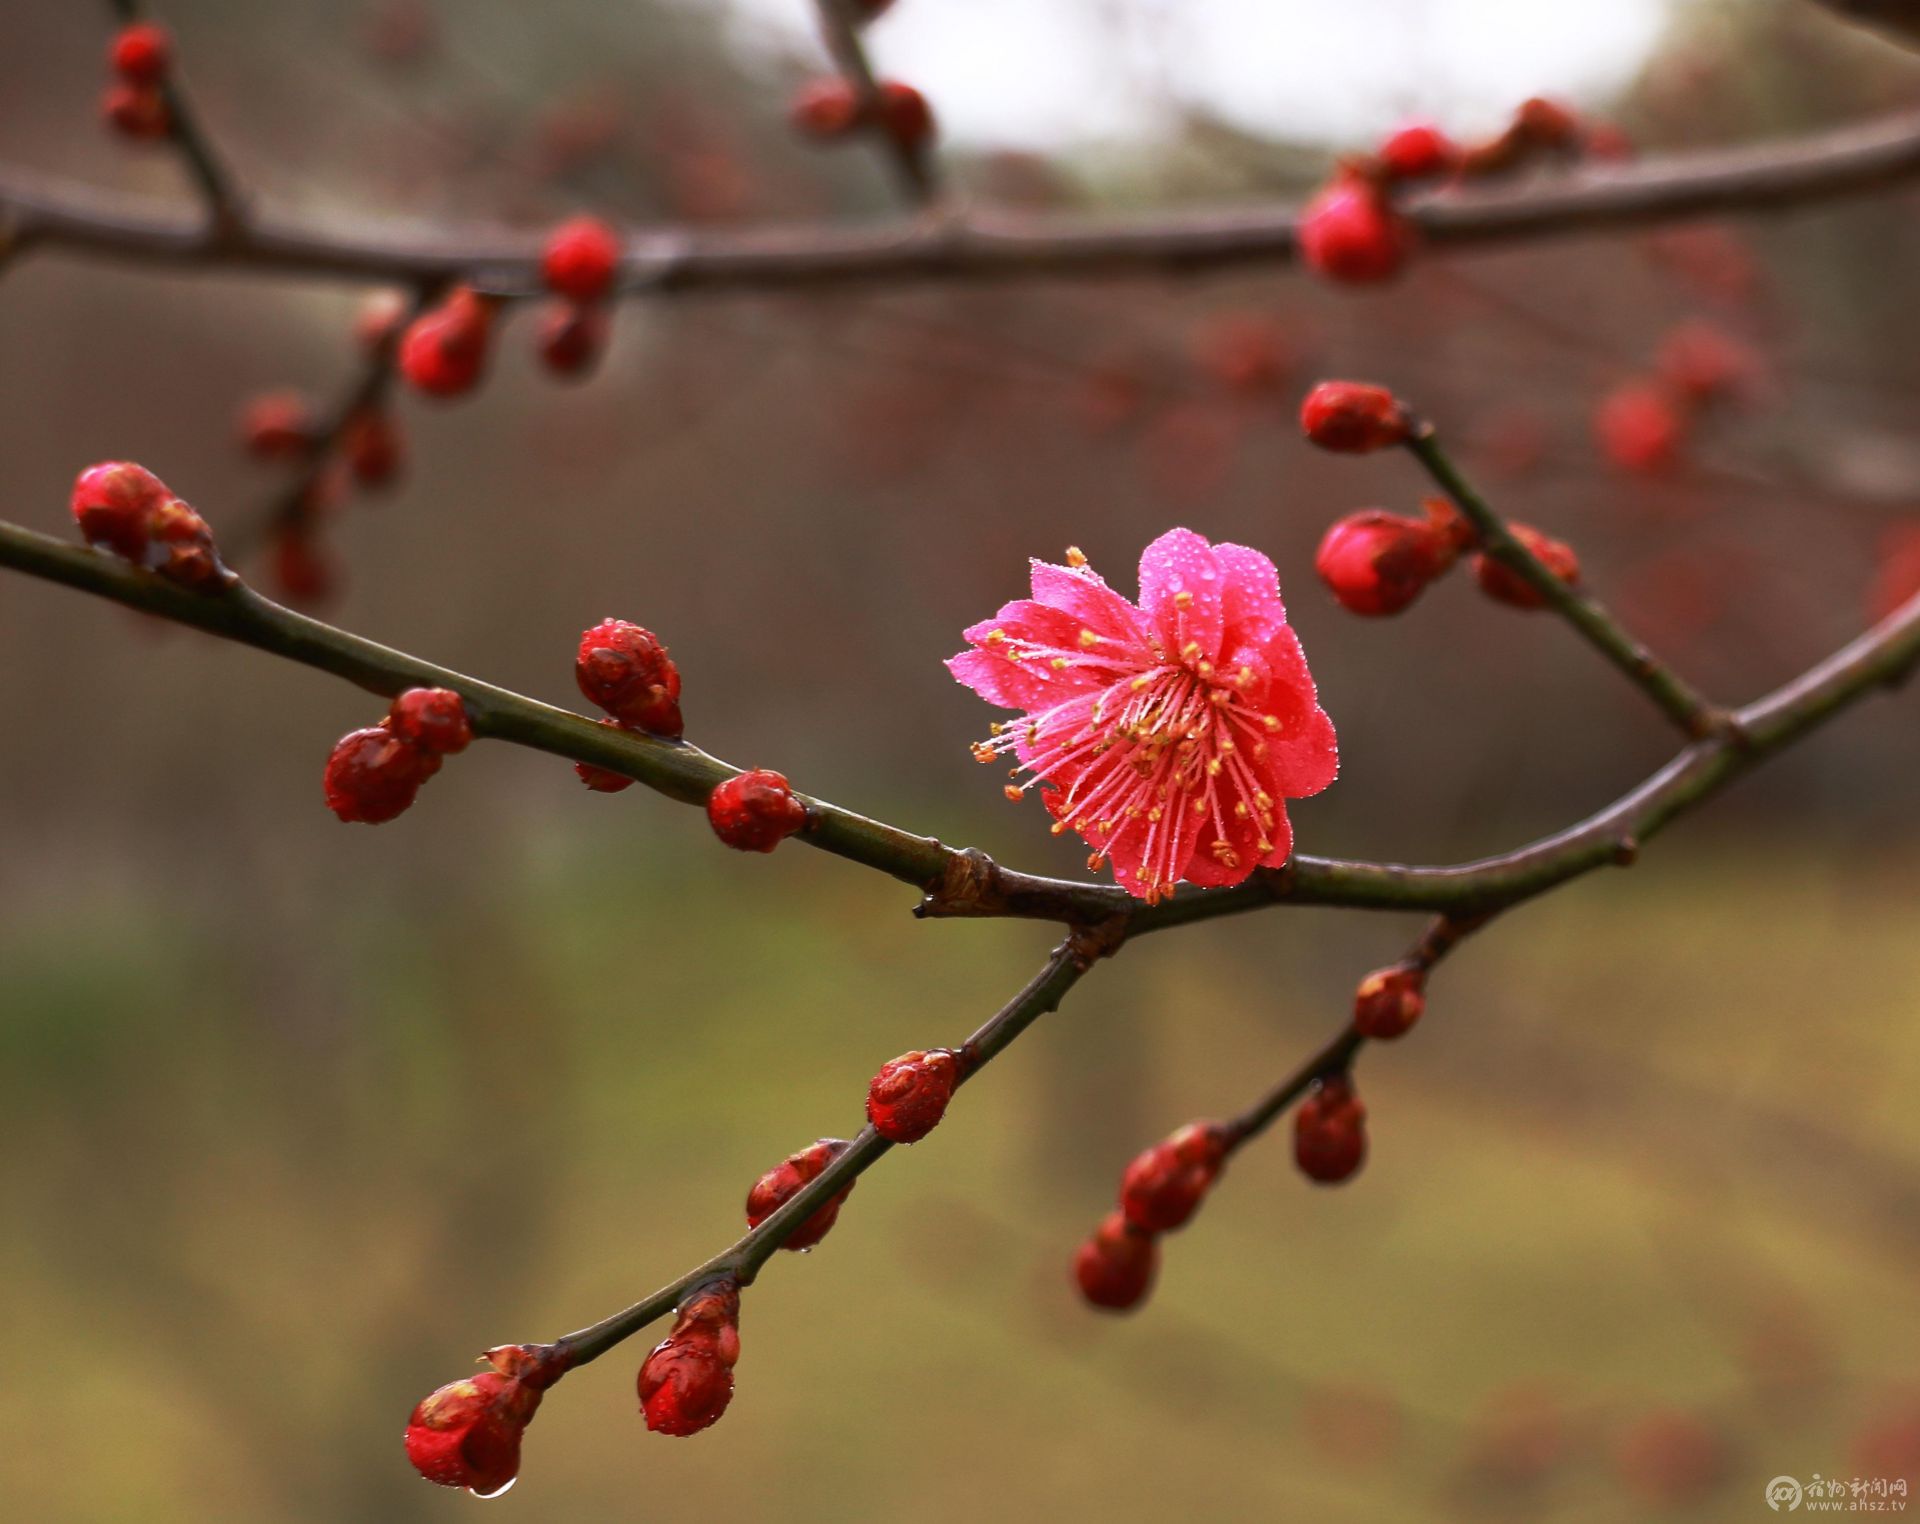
x: 1215, y: 767
x: 1199, y: 806
x: 1153, y: 815
x: 1240, y: 809
x: 1205, y: 669
x: 1015, y: 793
x: 1183, y: 600
x: 1076, y: 557
x: 1264, y: 846
x: 1190, y: 649
x: 1271, y: 721
x: 1058, y: 828
x: 994, y: 637
x: 983, y: 751
x: 1140, y: 682
x: 1095, y: 863
x: 1059, y: 664
x: 1088, y: 640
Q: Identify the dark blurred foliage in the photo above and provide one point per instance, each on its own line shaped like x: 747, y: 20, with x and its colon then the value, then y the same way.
x: 297, y: 1114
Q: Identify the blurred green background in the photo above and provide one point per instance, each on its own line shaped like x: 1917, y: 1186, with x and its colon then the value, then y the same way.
x: 294, y: 1116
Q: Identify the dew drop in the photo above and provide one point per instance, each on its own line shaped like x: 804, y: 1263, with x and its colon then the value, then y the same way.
x: 498, y: 1492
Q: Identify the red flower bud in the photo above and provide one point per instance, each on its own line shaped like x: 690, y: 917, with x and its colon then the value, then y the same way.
x: 1420, y: 151
x: 181, y: 548
x: 572, y: 339
x: 1638, y: 427
x: 825, y: 109
x: 1389, y: 1001
x: 1245, y: 353
x: 581, y: 259
x: 909, y: 1095
x: 601, y: 780
x: 1543, y: 123
x: 302, y: 571
x: 785, y: 1180
x: 1898, y: 577
x: 139, y: 112
x: 1162, y: 1186
x: 627, y: 672
x: 904, y: 114
x: 372, y: 775
x: 444, y: 351
x: 372, y: 445
x: 112, y: 503
x: 467, y: 1433
x: 433, y: 719
x: 1351, y: 417
x: 755, y: 811
x: 1506, y: 586
x: 1350, y: 233
x: 278, y: 426
x: 1376, y: 562
x: 1115, y: 1266
x: 1330, y: 1131
x: 1703, y: 364
x: 141, y: 53
x: 687, y: 1382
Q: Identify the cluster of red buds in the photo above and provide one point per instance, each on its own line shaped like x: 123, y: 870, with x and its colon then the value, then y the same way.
x: 831, y: 110
x: 135, y: 105
x: 126, y: 509
x: 1330, y: 1131
x: 467, y: 1434
x: 373, y: 774
x: 1375, y: 562
x: 1159, y: 1193
x: 786, y: 1180
x: 1353, y: 231
x: 755, y: 811
x: 910, y: 1094
x: 581, y: 261
x: 687, y: 1382
x: 1643, y: 424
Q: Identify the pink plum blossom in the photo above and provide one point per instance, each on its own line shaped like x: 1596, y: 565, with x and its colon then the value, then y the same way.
x: 1169, y: 734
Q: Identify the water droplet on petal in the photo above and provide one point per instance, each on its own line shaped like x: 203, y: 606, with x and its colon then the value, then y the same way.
x: 498, y: 1492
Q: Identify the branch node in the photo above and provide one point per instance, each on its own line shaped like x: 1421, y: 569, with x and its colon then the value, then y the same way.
x: 1088, y: 944
x: 969, y: 886
x: 1626, y: 850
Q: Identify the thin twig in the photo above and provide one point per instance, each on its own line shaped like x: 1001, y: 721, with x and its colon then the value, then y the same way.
x: 226, y: 209
x: 911, y: 162
x: 743, y: 1260
x: 1675, y: 697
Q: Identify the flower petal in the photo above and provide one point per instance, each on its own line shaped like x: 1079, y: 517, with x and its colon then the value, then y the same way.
x: 1079, y: 591
x: 1180, y: 591
x: 1250, y: 605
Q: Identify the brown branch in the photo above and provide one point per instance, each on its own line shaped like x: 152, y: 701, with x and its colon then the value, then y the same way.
x: 959, y: 882
x: 1767, y: 177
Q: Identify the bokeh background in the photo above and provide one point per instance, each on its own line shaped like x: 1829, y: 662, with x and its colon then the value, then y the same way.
x: 295, y: 1115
